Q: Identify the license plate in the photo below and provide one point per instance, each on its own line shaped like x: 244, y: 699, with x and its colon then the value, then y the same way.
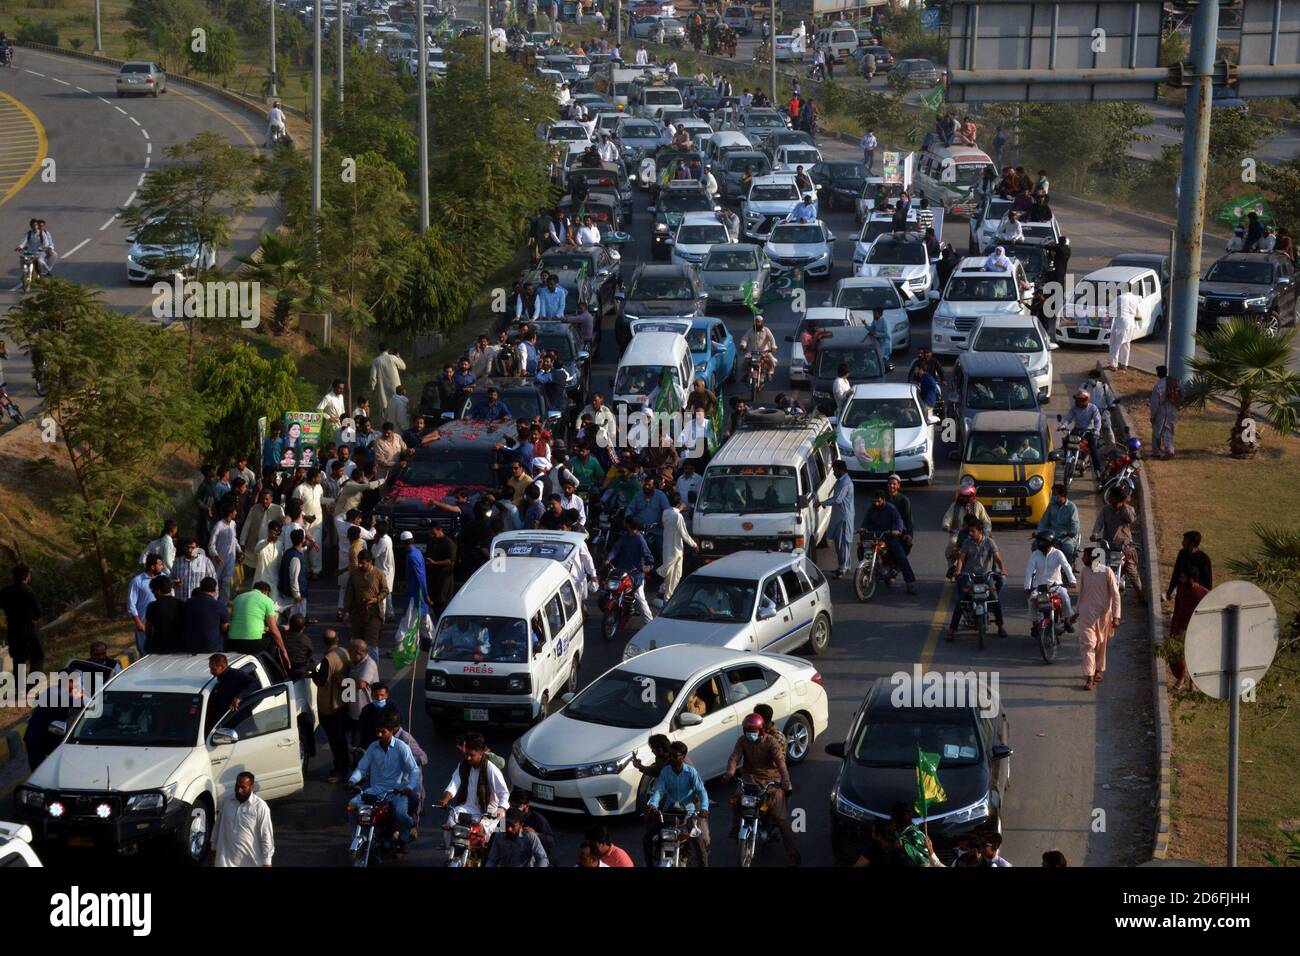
x: 542, y: 792
x: 80, y: 839
x: 1002, y: 505
x: 476, y: 713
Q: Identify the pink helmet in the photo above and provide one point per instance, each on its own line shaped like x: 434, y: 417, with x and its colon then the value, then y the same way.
x: 753, y: 724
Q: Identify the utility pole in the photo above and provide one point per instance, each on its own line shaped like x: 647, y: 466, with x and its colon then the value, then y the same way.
x: 274, y: 91
x: 487, y: 40
x: 99, y: 43
x: 422, y: 121
x: 618, y: 24
x: 315, y: 127
x: 340, y: 51
x: 771, y: 43
x: 1191, y: 196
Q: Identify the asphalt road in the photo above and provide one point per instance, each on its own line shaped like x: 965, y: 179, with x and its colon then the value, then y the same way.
x: 1079, y: 757
x: 98, y: 151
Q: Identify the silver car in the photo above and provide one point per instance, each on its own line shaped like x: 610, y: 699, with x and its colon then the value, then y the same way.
x: 729, y: 267
x: 163, y: 247
x: 141, y: 78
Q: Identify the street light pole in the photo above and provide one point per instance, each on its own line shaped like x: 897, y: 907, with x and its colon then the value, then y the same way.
x: 99, y: 43
x: 771, y: 42
x: 422, y: 121
x: 315, y: 127
x: 618, y: 24
x: 340, y: 51
x: 274, y: 92
x: 487, y: 40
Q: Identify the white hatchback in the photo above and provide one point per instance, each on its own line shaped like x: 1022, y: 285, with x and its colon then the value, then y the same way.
x: 862, y: 295
x: 579, y: 760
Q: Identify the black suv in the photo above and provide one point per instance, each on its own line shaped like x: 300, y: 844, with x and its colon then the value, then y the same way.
x: 1253, y: 285
x: 658, y: 290
x: 674, y: 201
x: 850, y: 346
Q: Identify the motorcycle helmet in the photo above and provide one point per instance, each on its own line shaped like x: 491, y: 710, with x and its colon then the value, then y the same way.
x: 1044, y: 536
x: 966, y: 490
x: 1134, y: 444
x: 752, y: 724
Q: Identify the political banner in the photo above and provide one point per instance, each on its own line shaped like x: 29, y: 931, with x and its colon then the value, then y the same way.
x: 1236, y: 210
x: 302, y: 433
x: 873, y: 445
x: 891, y: 166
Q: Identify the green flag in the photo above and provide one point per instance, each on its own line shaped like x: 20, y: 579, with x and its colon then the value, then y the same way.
x: 512, y: 18
x: 667, y: 401
x: 669, y: 172
x: 715, y: 424
x: 749, y: 298
x: 933, y: 99
x: 582, y: 210
x: 928, y: 788
x: 408, y: 644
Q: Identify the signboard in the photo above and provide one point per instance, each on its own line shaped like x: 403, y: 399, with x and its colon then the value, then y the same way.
x: 873, y: 446
x: 1270, y: 38
x: 931, y: 19
x: 1021, y: 51
x: 1235, y: 211
x: 1210, y: 659
x: 890, y: 167
x: 301, y: 438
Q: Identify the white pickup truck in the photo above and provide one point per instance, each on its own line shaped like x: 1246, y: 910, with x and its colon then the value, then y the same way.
x: 157, y: 749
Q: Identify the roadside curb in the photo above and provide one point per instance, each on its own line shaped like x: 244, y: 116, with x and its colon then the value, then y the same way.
x: 1156, y: 630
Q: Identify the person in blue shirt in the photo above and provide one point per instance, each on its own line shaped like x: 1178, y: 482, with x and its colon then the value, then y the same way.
x: 678, y: 785
x: 273, y: 447
x: 1085, y: 417
x: 464, y: 379
x: 883, y: 518
x: 648, y: 508
x: 631, y: 554
x: 927, y: 387
x: 880, y: 332
x: 393, y: 772
x: 417, y: 582
x: 550, y: 300
x: 805, y: 211
x: 491, y: 408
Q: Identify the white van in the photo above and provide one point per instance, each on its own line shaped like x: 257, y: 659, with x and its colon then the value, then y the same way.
x: 763, y: 489
x: 1086, y: 318
x: 641, y: 369
x: 509, y: 643
x: 951, y: 177
x: 838, y: 42
x: 649, y: 101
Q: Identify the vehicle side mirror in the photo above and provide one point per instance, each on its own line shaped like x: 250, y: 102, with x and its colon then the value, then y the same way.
x: 836, y: 749
x: 767, y: 611
x: 934, y: 295
x: 1042, y: 399
x: 688, y: 719
x: 224, y: 737
x: 58, y: 728
x: 1053, y: 456
x: 1000, y: 751
x: 935, y: 420
x: 1283, y: 280
x: 583, y: 356
x: 554, y: 415
x: 1053, y: 346
x: 130, y: 237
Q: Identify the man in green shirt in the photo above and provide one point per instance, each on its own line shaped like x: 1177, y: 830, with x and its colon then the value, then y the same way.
x: 587, y: 470
x: 252, y: 616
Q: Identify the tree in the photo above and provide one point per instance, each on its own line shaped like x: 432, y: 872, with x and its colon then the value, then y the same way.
x: 1247, y: 365
x: 165, y: 25
x: 1282, y: 184
x: 1275, y: 567
x: 219, y: 56
x: 430, y: 293
x: 885, y: 115
x: 1072, y: 140
x: 238, y: 386
x: 378, y: 115
x: 120, y: 397
x: 284, y: 267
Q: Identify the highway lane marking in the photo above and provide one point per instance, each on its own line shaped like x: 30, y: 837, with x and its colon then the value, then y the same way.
x: 144, y: 131
x: 34, y: 73
x: 120, y: 110
x: 57, y: 80
x: 148, y: 147
x: 938, y: 621
x: 109, y: 223
x: 104, y: 101
x: 130, y: 199
x: 84, y: 90
x: 134, y: 120
x: 225, y: 116
x: 79, y: 245
x: 15, y: 150
x: 141, y: 180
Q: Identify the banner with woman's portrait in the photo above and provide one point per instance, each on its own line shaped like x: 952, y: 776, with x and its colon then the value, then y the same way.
x: 302, y: 434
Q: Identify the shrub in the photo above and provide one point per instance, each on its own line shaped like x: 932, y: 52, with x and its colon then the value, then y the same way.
x: 42, y: 32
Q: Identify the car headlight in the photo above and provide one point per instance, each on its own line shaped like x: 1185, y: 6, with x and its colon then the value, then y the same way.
x: 435, y: 681
x: 751, y: 216
x: 1258, y: 303
x: 31, y: 798
x: 1035, y: 484
x: 850, y: 810
x: 943, y: 322
x: 604, y: 768
x: 966, y: 814
x: 706, y: 544
x: 153, y: 800
x: 632, y: 650
x: 967, y: 478
x: 518, y: 684
x: 920, y: 282
x: 1200, y: 300
x: 787, y: 544
x: 661, y: 227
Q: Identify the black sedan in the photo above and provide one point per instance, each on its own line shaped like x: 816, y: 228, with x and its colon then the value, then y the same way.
x: 879, y: 766
x: 839, y: 183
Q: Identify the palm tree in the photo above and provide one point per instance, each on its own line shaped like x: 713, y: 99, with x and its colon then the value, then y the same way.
x: 283, y: 265
x: 1275, y: 567
x: 1248, y: 366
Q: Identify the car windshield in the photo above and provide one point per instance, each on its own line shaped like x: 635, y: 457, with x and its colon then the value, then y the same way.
x: 835, y: 323
x: 138, y: 719
x: 980, y: 288
x: 998, y: 208
x: 564, y: 262
x: 843, y: 171
x: 802, y: 156
x: 702, y: 235
x: 524, y: 548
x: 779, y: 192
x: 1100, y: 295
x: 794, y: 234
x: 688, y: 200
x: 883, y: 296
x: 640, y: 379
x: 875, y: 228
x: 495, y: 640
x: 661, y: 287
x: 446, y: 468
x: 662, y: 98
x: 899, y: 412
x: 1241, y: 270
x: 970, y: 174
x: 730, y: 261
x: 992, y: 448
x: 1039, y: 231
x: 568, y: 132
x: 559, y: 343
x: 893, y: 742
x: 862, y: 363
x: 889, y: 252
x: 165, y: 234
x: 1005, y: 394
x: 759, y: 164
x: 748, y: 489
x: 1008, y: 340
x: 701, y: 598
x: 697, y: 340
x: 638, y: 131
x: 764, y: 120
x: 619, y: 699
x: 1031, y: 258
x: 135, y: 68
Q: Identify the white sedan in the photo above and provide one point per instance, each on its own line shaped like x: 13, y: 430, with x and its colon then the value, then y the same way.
x: 889, y: 414
x: 801, y: 245
x: 579, y: 760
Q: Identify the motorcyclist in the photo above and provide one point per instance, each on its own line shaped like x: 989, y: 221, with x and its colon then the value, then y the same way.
x: 648, y: 508
x: 883, y: 519
x: 1115, y: 526
x: 1062, y: 520
x: 6, y: 50
x: 1047, y: 565
x: 392, y: 769
x: 977, y: 557
x: 761, y: 760
x: 964, y: 506
x: 760, y: 339
x: 476, y: 787
x: 1103, y: 396
x: 275, y: 130
x: 37, y: 242
x: 926, y: 360
x: 1085, y: 417
x: 678, y: 784
x: 630, y: 554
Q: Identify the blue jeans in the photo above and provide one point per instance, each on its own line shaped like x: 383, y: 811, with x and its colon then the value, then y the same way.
x: 139, y: 642
x: 964, y: 582
x: 401, y: 813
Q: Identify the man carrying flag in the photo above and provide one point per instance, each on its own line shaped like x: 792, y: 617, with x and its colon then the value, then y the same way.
x: 668, y: 397
x: 416, y: 619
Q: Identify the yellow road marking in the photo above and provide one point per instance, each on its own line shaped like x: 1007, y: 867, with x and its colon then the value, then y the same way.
x: 15, y: 149
x: 939, y: 621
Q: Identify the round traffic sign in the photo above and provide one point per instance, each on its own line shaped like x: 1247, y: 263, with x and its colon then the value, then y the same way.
x: 1207, y: 650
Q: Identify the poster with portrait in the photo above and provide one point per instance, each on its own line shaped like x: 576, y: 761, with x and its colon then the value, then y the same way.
x: 302, y: 431
x: 873, y: 446
x: 890, y: 163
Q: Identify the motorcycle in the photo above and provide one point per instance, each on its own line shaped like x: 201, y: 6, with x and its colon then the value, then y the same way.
x: 874, y: 565
x: 975, y: 606
x: 376, y: 831
x: 280, y: 134
x: 1115, y: 561
x: 677, y: 828
x: 758, y: 372
x: 606, y: 521
x: 618, y: 602
x: 1121, y: 474
x: 1074, y: 456
x: 754, y: 832
x: 30, y: 272
x: 1048, y: 622
x: 7, y: 56
x: 10, y: 407
x: 468, y: 841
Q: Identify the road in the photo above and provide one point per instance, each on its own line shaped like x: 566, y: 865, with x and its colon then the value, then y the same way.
x: 96, y: 152
x: 1077, y: 754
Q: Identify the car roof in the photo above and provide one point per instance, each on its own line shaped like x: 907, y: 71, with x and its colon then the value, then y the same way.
x: 733, y: 247
x: 992, y: 363
x: 523, y: 534
x: 1009, y: 320
x: 650, y: 347
x: 860, y: 282
x: 975, y: 264
x: 822, y: 312
x: 650, y: 269
x: 775, y: 179
x: 782, y: 443
x: 1118, y: 273
x: 1008, y: 421
x: 700, y: 218
x: 683, y: 661
x: 1247, y: 256
x: 883, y: 390
x: 458, y: 436
x: 174, y: 673
x: 753, y: 564
x: 881, y: 700
x: 530, y: 581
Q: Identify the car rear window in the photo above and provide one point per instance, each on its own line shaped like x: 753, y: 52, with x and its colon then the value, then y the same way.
x: 135, y: 68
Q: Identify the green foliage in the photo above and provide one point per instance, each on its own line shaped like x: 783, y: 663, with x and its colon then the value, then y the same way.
x: 285, y: 270
x: 378, y: 115
x: 76, y: 43
x: 1281, y: 183
x: 165, y: 26
x: 1173, y: 48
x: 220, y: 53
x: 237, y: 387
x: 41, y: 32
x: 431, y: 294
x: 833, y: 98
x: 886, y: 115
x: 1275, y: 567
x: 1071, y: 140
x: 1290, y: 855
x: 120, y: 397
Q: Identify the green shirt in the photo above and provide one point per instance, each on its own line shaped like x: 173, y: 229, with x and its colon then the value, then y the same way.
x: 589, y: 473
x: 248, y: 619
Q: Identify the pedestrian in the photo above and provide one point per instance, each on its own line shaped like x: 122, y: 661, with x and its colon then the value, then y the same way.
x: 138, y: 598
x: 1097, y: 613
x: 223, y: 548
x: 266, y: 564
x: 59, y: 701
x: 22, y: 612
x: 999, y: 144
x: 329, y: 677
x: 1188, y: 593
x: 381, y: 549
x: 297, y: 646
x: 164, y: 545
x: 232, y: 686
x: 256, y: 525
x: 440, y: 558
x: 363, y: 604
x: 164, y: 619
x: 311, y: 493
x: 384, y: 378
x: 206, y: 620
x: 399, y: 409
x: 843, y: 522
x: 610, y: 854
x: 333, y: 404
x: 363, y: 674
x: 206, y: 496
x: 253, y: 626
x: 676, y: 539
x: 991, y: 850
x: 191, y: 567
x: 1166, y: 396
x: 1122, y: 328
x: 292, y: 574
x: 244, y: 834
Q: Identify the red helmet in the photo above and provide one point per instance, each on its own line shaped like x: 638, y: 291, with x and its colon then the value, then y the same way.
x: 753, y: 724
x: 966, y: 490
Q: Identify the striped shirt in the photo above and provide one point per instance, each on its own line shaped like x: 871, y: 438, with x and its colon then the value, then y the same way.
x: 188, y: 572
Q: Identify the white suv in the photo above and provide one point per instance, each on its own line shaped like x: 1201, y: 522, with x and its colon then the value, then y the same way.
x: 973, y: 292
x: 1022, y: 337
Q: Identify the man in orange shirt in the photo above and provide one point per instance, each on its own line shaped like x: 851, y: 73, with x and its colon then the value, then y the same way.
x: 610, y: 854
